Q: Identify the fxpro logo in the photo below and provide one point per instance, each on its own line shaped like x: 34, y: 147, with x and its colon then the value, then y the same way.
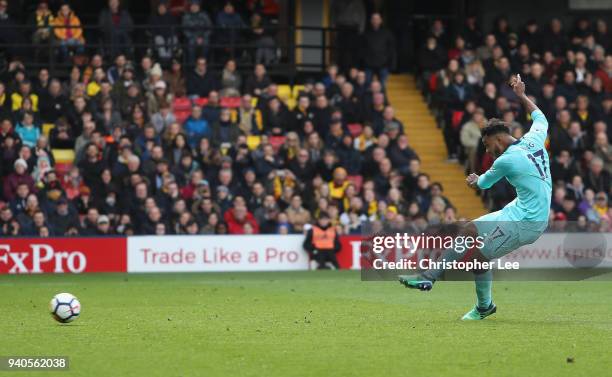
x: 41, y: 258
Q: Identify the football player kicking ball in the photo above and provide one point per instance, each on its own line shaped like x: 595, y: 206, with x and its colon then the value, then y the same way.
x: 524, y: 163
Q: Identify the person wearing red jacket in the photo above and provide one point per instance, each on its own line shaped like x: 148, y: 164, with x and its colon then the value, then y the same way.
x: 19, y: 176
x: 237, y: 217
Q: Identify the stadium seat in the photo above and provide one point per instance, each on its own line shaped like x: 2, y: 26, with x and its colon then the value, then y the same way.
x: 296, y: 91
x: 355, y: 129
x: 290, y: 102
x: 46, y: 128
x: 62, y: 168
x: 181, y: 103
x: 253, y: 141
x: 284, y: 92
x: 182, y: 115
x: 357, y: 180
x: 277, y: 142
x: 202, y: 101
x: 231, y: 102
x: 63, y: 155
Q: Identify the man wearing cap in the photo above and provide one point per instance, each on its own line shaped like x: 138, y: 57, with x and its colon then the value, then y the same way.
x: 63, y: 218
x: 16, y: 178
x: 103, y: 226
x: 322, y: 243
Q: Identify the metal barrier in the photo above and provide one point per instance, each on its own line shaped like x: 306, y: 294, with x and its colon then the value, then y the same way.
x: 224, y: 43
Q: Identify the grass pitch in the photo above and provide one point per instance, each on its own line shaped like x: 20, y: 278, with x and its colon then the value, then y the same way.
x: 325, y: 323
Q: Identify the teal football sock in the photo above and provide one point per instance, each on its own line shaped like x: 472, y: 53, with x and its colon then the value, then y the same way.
x: 449, y: 255
x: 484, y: 282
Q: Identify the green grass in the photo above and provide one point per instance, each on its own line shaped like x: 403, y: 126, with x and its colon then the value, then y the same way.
x: 306, y: 324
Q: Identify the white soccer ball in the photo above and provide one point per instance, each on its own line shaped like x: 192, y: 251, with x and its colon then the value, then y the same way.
x: 65, y: 307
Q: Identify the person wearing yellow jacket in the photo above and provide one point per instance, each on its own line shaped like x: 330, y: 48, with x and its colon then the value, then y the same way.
x: 68, y: 31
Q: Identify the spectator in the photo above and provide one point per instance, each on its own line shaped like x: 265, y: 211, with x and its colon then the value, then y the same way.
x: 200, y: 82
x: 470, y: 138
x: 41, y: 21
x: 263, y: 40
x: 68, y: 31
x: 250, y: 119
x: 231, y: 82
x: 238, y: 219
x: 431, y: 57
x: 116, y: 25
x: 63, y: 218
x: 196, y: 127
x: 322, y: 243
x: 26, y: 129
x: 598, y: 179
x: 53, y: 103
x: 401, y: 154
x: 18, y: 177
x: 224, y: 131
x: 258, y: 81
x: 163, y: 32
x: 378, y: 50
x: 24, y: 93
x: 175, y: 79
x: 163, y: 118
x: 197, y: 28
x: 103, y: 227
x: 231, y: 24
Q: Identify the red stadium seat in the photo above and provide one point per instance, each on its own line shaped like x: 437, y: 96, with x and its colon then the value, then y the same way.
x: 181, y: 116
x: 231, y: 102
x: 181, y: 103
x: 357, y: 180
x: 355, y: 129
x: 62, y: 168
x: 276, y: 142
x: 202, y: 101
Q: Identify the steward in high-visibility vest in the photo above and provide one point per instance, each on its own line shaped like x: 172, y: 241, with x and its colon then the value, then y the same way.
x: 322, y: 243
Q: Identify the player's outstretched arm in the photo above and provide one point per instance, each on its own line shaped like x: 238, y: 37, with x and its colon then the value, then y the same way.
x: 518, y: 86
x: 539, y: 127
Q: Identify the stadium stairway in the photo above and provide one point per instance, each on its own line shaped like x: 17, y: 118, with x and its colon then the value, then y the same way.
x: 426, y: 139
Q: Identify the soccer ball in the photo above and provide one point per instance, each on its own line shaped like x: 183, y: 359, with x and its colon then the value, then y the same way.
x: 65, y: 307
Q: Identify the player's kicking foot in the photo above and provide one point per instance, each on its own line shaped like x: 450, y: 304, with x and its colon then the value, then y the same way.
x: 477, y: 313
x: 416, y: 282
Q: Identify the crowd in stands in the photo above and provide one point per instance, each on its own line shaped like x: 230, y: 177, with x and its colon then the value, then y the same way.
x: 176, y: 29
x: 125, y: 147
x: 568, y: 72
x: 149, y: 146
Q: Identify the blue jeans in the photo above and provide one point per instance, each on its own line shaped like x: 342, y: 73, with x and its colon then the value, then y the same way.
x: 381, y: 73
x: 67, y: 44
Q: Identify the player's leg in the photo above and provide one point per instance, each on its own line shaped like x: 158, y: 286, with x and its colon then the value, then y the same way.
x: 500, y: 238
x: 483, y: 281
x: 424, y: 281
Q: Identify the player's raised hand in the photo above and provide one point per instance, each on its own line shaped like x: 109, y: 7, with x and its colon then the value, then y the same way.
x: 517, y: 85
x: 472, y: 180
